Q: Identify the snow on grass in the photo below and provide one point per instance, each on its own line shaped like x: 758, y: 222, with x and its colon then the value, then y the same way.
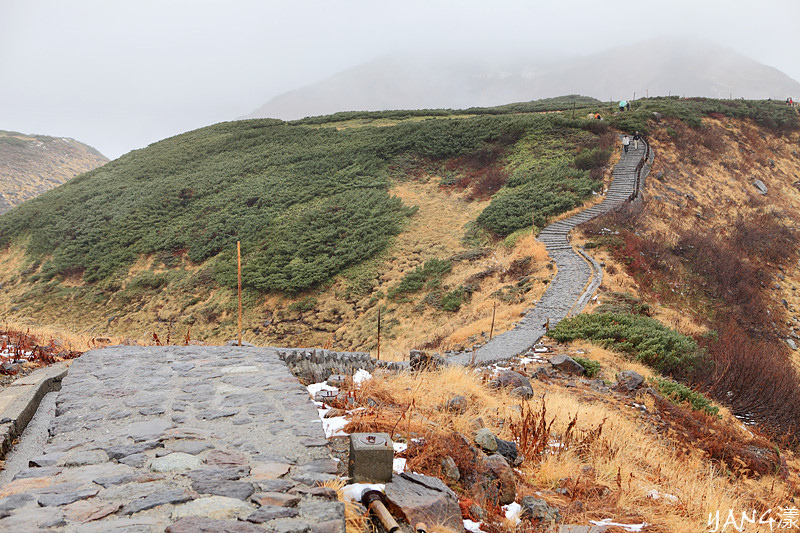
x: 513, y: 511
x: 474, y: 527
x: 361, y: 375
x: 626, y: 527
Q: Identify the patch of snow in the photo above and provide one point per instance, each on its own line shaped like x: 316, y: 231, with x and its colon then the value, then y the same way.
x: 354, y: 491
x: 400, y: 447
x: 626, y: 527
x: 474, y: 527
x: 314, y: 388
x: 361, y: 375
x: 512, y: 511
x: 334, y: 426
x: 653, y: 494
x: 398, y: 465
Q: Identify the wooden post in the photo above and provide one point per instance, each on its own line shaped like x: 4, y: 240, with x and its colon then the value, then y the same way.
x: 239, y: 269
x: 379, y: 333
x: 573, y: 109
x: 491, y: 330
x: 547, y: 325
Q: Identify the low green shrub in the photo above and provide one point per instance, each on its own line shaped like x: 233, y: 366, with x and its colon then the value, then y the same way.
x: 643, y: 338
x: 428, y: 274
x: 678, y: 393
x: 591, y: 367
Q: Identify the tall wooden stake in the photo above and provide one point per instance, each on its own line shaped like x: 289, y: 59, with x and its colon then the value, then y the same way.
x: 573, y: 109
x: 379, y: 333
x: 491, y: 330
x: 239, y: 268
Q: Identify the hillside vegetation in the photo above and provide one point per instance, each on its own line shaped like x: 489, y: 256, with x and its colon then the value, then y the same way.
x: 33, y: 164
x: 334, y: 213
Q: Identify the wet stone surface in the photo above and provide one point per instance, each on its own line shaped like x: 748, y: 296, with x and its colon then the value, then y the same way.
x: 176, y: 439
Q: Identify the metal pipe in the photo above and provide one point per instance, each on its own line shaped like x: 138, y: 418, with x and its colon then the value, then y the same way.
x: 373, y: 500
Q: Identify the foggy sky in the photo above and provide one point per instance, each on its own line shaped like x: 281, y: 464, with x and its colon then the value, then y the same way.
x: 120, y: 74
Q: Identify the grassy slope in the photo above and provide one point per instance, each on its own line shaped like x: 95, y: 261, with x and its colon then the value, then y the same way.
x: 152, y: 232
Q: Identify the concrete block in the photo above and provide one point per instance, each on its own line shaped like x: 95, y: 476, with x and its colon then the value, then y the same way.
x: 371, y: 456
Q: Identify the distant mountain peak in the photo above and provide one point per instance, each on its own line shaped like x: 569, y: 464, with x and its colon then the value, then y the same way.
x: 664, y: 65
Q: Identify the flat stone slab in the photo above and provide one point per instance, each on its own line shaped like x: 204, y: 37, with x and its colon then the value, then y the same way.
x: 178, y: 459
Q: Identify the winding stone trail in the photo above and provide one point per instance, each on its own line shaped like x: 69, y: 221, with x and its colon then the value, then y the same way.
x: 185, y: 438
x: 578, y: 275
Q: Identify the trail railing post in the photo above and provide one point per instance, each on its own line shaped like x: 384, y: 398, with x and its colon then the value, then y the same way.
x: 239, y: 271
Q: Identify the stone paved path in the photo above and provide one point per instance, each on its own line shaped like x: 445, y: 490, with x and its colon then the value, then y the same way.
x: 186, y: 438
x: 578, y: 276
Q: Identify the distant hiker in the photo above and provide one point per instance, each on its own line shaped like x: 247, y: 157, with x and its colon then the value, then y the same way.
x: 597, y: 116
x: 622, y: 105
x: 636, y: 138
x: 626, y: 141
x: 590, y: 116
x: 790, y: 102
x: 627, y: 106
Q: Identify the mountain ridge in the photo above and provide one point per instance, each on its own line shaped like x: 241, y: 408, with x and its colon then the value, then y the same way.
x: 33, y: 164
x: 412, y: 81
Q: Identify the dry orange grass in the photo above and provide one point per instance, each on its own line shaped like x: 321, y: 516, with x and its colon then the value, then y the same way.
x: 647, y: 476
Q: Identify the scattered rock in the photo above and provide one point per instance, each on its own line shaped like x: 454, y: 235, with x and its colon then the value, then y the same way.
x: 792, y: 344
x: 628, y: 380
x: 486, y: 440
x: 64, y: 498
x: 759, y: 185
x: 416, y: 498
x: 222, y: 458
x: 419, y: 361
x: 498, y: 483
x: 450, y: 469
x: 536, y: 509
x: 508, y: 379
x: 457, y: 404
x: 567, y: 364
x: 524, y: 393
x: 508, y: 449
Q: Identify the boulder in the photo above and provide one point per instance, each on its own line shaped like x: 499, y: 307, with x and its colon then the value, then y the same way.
x: 508, y: 379
x: 498, y: 483
x: 508, y: 449
x: 417, y: 498
x: 486, y: 440
x: 450, y: 470
x: 628, y: 380
x: 457, y: 404
x: 524, y: 393
x: 536, y: 509
x: 567, y: 364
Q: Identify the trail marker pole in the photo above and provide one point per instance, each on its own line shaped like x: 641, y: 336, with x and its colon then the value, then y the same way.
x: 491, y: 330
x: 379, y: 333
x: 239, y: 271
x: 573, y: 109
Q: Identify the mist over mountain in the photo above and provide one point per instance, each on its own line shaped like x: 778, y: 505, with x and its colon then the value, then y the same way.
x: 659, y: 66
